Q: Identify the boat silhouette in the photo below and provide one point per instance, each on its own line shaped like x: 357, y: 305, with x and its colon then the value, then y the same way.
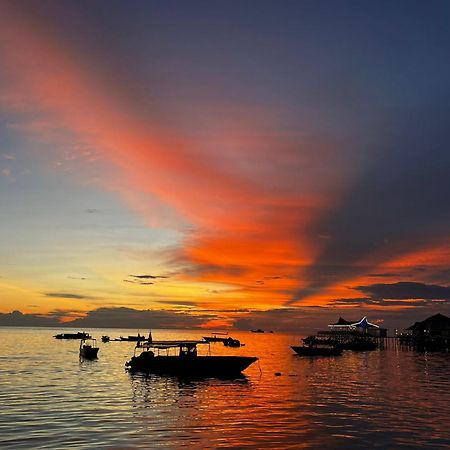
x: 181, y: 358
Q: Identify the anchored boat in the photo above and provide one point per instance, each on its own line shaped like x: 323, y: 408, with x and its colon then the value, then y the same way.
x: 137, y: 338
x: 317, y: 347
x: 79, y: 335
x: 88, y: 349
x: 181, y: 358
x: 216, y: 337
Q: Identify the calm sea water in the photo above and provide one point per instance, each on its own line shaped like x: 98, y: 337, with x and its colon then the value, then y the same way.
x: 384, y: 399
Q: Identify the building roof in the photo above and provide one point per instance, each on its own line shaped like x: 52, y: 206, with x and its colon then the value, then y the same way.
x: 436, y: 322
x: 363, y: 323
x: 342, y: 321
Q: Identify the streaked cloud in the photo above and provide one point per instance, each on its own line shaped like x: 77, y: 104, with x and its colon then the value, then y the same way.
x: 69, y: 295
x: 406, y: 290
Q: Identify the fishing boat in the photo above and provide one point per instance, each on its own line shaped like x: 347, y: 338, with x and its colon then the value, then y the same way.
x: 230, y: 342
x: 180, y: 358
x: 317, y: 347
x: 79, y: 335
x: 137, y: 338
x: 216, y: 337
x: 88, y: 348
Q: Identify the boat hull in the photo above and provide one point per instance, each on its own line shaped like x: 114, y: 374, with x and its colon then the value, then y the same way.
x: 316, y: 351
x: 72, y: 336
x: 191, y: 366
x: 214, y: 339
x: 89, y: 352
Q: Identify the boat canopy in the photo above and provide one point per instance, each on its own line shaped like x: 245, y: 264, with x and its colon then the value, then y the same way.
x: 171, y: 344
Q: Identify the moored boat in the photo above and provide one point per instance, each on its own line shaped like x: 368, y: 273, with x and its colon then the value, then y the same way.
x: 79, y: 335
x: 317, y: 347
x: 216, y: 337
x: 88, y: 349
x: 131, y: 338
x: 181, y: 358
x: 230, y: 342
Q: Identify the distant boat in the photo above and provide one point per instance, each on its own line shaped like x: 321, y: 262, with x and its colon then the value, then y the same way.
x: 230, y: 342
x: 137, y: 338
x: 216, y: 337
x: 184, y: 360
x: 257, y: 331
x: 79, y: 335
x: 88, y: 349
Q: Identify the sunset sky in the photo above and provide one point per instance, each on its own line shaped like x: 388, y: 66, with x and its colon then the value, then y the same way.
x: 251, y: 164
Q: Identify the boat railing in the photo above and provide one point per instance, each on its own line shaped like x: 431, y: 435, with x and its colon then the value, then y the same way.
x: 185, y: 346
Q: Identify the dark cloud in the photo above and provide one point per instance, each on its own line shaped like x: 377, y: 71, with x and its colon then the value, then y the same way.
x: 177, y: 302
x: 383, y: 302
x: 18, y: 319
x: 138, y: 282
x: 68, y: 295
x: 406, y: 290
x: 148, y: 277
x: 143, y: 319
x: 398, y: 203
x: 386, y: 275
x: 268, y: 278
x: 141, y: 279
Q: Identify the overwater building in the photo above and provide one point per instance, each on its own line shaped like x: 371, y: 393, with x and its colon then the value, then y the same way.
x: 362, y: 326
x: 435, y: 326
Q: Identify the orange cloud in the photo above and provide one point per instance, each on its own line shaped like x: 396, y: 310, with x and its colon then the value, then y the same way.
x: 242, y: 190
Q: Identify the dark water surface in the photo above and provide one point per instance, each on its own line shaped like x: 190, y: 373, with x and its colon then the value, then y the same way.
x: 384, y: 399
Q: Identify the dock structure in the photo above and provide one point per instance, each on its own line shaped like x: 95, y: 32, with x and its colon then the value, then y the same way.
x: 355, y: 333
x: 431, y: 334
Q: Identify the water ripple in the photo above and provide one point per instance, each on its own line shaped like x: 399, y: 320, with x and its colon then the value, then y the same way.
x: 390, y: 399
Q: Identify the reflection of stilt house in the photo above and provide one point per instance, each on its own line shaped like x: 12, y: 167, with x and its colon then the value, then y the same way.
x: 360, y: 335
x: 430, y: 334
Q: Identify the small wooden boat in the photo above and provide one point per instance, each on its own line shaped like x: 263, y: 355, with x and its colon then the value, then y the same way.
x: 137, y: 338
x: 88, y: 349
x: 230, y: 342
x: 216, y: 337
x: 317, y: 347
x: 180, y: 358
x: 79, y: 335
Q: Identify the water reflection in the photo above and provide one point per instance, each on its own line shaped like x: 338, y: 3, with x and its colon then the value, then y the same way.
x: 382, y: 399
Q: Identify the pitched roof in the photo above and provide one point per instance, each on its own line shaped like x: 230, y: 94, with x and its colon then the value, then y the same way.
x: 342, y: 321
x: 438, y: 321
